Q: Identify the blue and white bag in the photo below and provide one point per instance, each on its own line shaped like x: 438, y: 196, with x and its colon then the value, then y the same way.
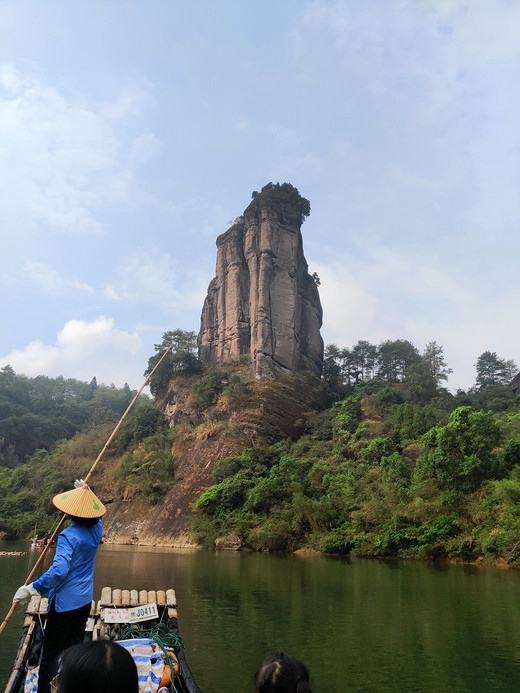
x: 149, y: 660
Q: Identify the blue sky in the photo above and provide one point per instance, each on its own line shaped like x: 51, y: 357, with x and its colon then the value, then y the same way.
x: 132, y: 134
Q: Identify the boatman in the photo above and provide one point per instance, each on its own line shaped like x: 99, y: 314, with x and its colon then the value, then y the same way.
x: 70, y: 579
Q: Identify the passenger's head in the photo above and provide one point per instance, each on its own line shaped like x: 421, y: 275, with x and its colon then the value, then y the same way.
x: 101, y: 666
x: 282, y: 674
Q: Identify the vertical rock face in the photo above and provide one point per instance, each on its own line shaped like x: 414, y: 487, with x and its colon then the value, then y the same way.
x: 262, y: 301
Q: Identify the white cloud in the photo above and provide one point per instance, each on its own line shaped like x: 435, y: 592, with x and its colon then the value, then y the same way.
x: 398, y: 122
x: 154, y: 276
x: 284, y: 136
x: 48, y: 279
x: 434, y: 97
x: 488, y: 31
x: 426, y: 200
x: 399, y: 177
x: 114, y: 294
x: 127, y: 102
x: 145, y: 147
x: 408, y: 295
x: 82, y: 349
x: 60, y: 156
x: 349, y: 309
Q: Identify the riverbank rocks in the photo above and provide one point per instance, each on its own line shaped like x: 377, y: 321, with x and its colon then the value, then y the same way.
x: 263, y: 302
x: 6, y: 534
x: 230, y: 543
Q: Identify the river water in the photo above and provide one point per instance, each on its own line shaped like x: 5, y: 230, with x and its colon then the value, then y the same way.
x: 362, y: 626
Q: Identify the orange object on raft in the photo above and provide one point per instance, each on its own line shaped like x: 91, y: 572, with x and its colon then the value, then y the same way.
x: 167, y: 672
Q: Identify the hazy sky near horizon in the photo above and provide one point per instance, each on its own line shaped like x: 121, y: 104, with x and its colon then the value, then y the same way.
x: 132, y: 133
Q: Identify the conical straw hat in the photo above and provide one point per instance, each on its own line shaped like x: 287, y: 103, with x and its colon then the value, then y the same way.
x: 79, y: 502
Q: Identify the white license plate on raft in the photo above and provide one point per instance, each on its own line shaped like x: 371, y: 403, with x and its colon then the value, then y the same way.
x: 133, y: 614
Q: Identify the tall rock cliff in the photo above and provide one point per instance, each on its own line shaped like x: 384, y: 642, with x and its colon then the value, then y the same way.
x: 256, y: 412
x: 262, y: 301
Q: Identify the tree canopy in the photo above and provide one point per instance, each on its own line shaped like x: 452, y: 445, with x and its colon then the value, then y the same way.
x: 290, y: 193
x: 37, y: 412
x: 493, y: 370
x: 182, y: 359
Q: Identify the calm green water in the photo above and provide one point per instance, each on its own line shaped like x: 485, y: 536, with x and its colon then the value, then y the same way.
x: 360, y: 625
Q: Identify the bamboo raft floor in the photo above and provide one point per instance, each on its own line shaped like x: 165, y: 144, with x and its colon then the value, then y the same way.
x: 97, y: 628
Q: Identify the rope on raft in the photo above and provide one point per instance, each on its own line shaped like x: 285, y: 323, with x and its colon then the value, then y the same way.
x: 160, y: 634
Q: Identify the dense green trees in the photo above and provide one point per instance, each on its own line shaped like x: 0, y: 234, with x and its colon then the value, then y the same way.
x: 420, y: 482
x: 143, y: 467
x: 397, y: 467
x: 392, y: 361
x: 286, y: 191
x: 394, y: 357
x: 182, y: 359
x: 147, y: 469
x: 492, y: 370
x: 461, y: 454
x: 45, y: 423
x: 399, y: 361
x: 37, y: 412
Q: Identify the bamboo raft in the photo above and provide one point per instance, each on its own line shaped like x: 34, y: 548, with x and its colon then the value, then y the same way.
x: 148, y: 608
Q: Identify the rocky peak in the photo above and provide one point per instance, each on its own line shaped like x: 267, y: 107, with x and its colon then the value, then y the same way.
x: 262, y: 301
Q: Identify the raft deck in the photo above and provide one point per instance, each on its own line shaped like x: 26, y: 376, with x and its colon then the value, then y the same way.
x: 107, y: 617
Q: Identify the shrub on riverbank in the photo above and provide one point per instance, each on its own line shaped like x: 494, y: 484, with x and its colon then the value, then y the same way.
x: 419, y: 482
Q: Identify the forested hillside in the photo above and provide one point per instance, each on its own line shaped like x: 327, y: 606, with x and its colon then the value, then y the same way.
x: 397, y: 466
x: 390, y: 463
x: 52, y: 429
x: 37, y: 412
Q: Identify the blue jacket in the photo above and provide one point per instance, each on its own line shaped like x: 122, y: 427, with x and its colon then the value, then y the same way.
x: 70, y: 579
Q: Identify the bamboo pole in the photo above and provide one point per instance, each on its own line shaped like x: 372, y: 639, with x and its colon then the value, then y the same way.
x: 21, y: 655
x: 64, y: 517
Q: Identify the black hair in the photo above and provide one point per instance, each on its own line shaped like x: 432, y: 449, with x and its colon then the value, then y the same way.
x: 102, y: 666
x: 282, y: 673
x: 88, y: 521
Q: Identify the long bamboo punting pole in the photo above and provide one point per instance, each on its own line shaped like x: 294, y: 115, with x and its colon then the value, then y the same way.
x: 64, y: 517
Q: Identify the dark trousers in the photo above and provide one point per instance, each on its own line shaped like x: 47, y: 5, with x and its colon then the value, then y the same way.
x: 63, y: 629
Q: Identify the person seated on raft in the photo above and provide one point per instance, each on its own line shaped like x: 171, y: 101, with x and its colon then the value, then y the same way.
x: 96, y: 666
x: 282, y: 673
